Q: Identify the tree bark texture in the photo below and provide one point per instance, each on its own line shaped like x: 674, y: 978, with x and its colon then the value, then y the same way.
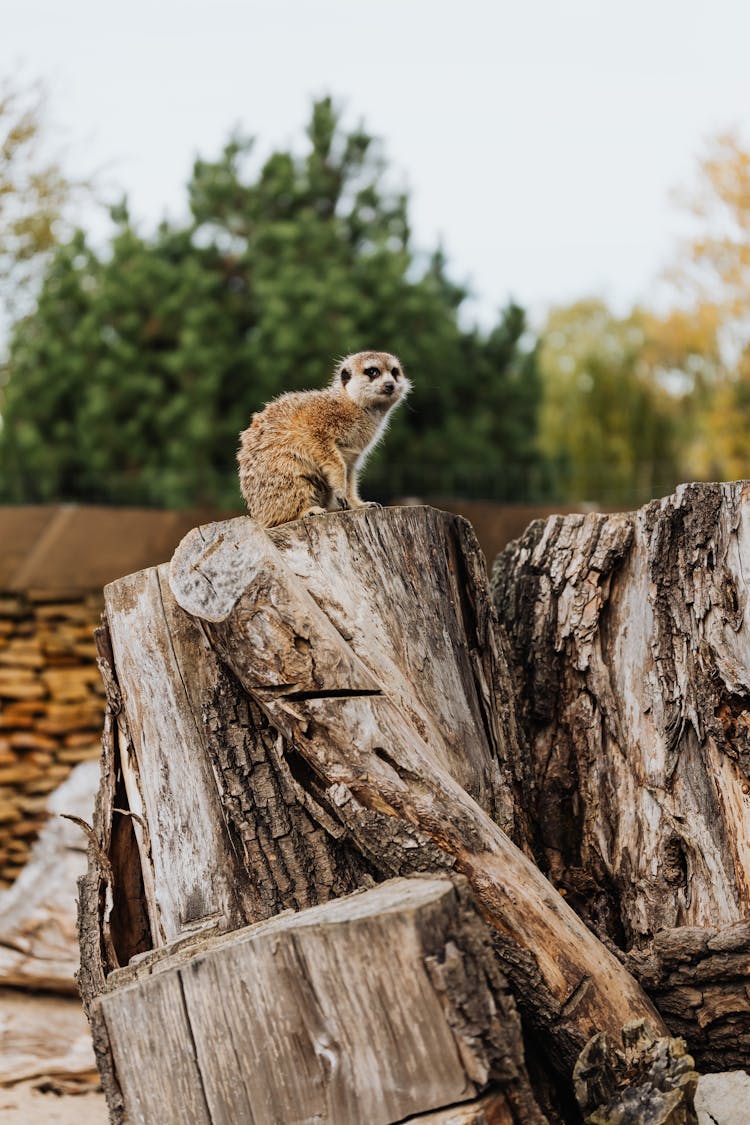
x: 630, y: 640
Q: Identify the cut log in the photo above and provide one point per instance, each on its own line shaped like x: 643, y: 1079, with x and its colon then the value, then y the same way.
x: 371, y: 1008
x: 630, y: 637
x: 202, y: 756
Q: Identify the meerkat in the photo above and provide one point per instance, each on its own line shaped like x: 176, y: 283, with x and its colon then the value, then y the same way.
x: 300, y: 456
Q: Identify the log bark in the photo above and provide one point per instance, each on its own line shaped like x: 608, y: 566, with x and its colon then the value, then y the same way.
x: 202, y: 757
x: 630, y: 639
x: 372, y: 1008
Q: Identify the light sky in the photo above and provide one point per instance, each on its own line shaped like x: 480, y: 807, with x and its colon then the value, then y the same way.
x: 541, y: 140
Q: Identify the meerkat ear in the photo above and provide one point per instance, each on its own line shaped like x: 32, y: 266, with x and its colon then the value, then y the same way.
x: 345, y: 376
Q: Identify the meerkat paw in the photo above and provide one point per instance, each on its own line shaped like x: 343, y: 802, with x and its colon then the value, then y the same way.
x: 371, y: 504
x: 341, y: 501
x: 314, y: 511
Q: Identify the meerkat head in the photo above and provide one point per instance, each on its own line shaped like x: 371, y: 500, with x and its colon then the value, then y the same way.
x: 374, y: 380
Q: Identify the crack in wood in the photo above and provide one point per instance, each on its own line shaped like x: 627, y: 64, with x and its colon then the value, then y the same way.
x: 330, y: 693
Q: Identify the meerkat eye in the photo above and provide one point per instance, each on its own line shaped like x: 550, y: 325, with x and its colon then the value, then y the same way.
x: 372, y: 372
x: 395, y: 372
x: 345, y: 375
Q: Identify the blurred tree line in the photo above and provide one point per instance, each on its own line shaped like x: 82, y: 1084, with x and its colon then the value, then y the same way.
x: 633, y: 405
x: 142, y: 360
x: 133, y: 377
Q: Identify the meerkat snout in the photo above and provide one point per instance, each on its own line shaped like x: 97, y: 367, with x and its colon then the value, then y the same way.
x: 302, y: 454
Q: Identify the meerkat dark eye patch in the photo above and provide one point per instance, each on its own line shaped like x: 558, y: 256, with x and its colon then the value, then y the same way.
x: 395, y: 372
x: 372, y: 372
x: 345, y: 375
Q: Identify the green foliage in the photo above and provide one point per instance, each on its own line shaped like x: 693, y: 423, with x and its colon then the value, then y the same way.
x: 610, y: 423
x: 139, y: 367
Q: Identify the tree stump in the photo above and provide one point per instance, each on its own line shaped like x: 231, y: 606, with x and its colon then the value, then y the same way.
x: 296, y: 714
x: 630, y: 639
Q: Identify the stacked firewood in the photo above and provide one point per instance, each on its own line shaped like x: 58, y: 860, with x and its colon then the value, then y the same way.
x: 50, y: 709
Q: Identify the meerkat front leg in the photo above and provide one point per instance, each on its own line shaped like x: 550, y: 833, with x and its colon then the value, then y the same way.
x: 336, y: 472
x: 352, y: 493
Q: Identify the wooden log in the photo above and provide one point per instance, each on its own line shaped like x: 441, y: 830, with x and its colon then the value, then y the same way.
x: 372, y: 1008
x: 338, y: 696
x: 396, y: 778
x: 698, y: 978
x: 202, y: 755
x: 630, y: 638
x: 271, y: 842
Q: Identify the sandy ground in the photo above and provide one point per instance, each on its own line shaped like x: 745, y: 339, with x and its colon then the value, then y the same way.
x: 23, y: 1105
x: 45, y: 1042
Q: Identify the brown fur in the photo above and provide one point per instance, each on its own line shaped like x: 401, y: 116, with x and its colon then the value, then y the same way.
x: 300, y: 455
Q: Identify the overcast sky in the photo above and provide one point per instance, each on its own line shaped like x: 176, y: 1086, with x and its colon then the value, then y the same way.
x: 541, y: 140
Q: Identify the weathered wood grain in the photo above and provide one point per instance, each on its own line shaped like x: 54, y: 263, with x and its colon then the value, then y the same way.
x: 226, y: 836
x: 409, y: 593
x: 382, y: 769
x: 191, y: 883
x: 204, y: 757
x: 630, y: 638
x: 492, y: 1108
x: 370, y: 1008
